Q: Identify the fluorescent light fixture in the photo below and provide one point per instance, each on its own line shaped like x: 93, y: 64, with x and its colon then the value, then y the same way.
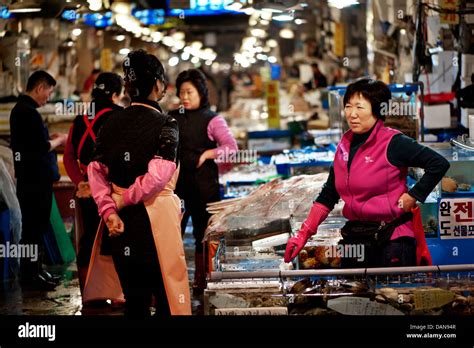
x: 340, y: 4
x: 285, y: 17
x: 248, y: 11
x: 234, y: 6
x: 270, y: 7
x: 24, y: 6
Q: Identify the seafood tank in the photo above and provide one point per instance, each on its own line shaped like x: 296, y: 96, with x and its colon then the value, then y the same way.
x: 404, y: 292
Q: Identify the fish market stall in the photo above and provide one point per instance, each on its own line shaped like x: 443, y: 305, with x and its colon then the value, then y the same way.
x: 427, y: 290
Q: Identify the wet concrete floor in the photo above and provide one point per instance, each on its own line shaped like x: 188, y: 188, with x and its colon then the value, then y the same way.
x: 66, y: 299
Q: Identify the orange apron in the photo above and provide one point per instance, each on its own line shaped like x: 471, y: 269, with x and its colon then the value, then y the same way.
x: 164, y: 211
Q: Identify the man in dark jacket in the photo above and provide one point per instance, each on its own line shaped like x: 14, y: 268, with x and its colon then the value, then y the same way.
x: 35, y: 171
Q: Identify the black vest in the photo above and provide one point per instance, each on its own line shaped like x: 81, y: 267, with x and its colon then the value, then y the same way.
x: 128, y: 141
x: 199, y: 184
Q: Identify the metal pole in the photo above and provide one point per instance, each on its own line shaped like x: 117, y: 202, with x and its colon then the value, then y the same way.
x: 218, y: 276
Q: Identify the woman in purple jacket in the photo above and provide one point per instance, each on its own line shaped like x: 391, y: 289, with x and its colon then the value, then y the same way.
x: 369, y: 175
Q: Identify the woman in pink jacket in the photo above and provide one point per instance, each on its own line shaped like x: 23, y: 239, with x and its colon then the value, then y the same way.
x: 369, y: 174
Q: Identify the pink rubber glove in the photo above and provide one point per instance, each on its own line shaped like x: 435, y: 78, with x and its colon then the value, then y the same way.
x: 318, y: 214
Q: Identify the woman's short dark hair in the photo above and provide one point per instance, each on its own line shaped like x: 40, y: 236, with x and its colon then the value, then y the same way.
x: 141, y: 71
x: 106, y: 85
x: 198, y: 79
x: 375, y: 91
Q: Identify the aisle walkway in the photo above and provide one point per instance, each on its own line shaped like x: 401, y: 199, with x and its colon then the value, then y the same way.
x: 66, y: 299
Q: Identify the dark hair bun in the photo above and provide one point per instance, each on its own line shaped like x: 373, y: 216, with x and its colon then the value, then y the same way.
x: 141, y: 71
x: 106, y: 85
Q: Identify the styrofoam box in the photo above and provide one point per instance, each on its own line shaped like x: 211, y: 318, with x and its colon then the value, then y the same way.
x: 465, y: 116
x: 437, y: 116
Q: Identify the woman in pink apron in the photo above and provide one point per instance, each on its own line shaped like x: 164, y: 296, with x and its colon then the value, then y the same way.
x: 132, y: 178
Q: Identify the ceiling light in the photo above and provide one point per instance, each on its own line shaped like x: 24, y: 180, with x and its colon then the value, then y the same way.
x: 124, y: 51
x: 208, y: 62
x: 122, y: 8
x: 257, y: 32
x: 340, y: 4
x: 265, y: 15
x: 248, y: 11
x: 178, y: 36
x: 272, y: 59
x: 75, y: 4
x: 299, y: 21
x: 270, y: 7
x: 287, y: 33
x: 195, y: 60
x: 95, y: 5
x: 180, y: 45
x: 157, y: 36
x: 173, y: 61
x: 185, y: 56
x: 196, y: 45
x: 120, y: 37
x: 168, y: 41
x: 76, y: 32
x: 24, y: 6
x: 234, y: 6
x: 285, y: 17
x: 272, y: 43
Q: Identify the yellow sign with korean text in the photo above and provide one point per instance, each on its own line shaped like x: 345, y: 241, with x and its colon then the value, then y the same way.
x: 449, y: 18
x: 273, y: 103
x: 106, y: 62
x: 339, y: 40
